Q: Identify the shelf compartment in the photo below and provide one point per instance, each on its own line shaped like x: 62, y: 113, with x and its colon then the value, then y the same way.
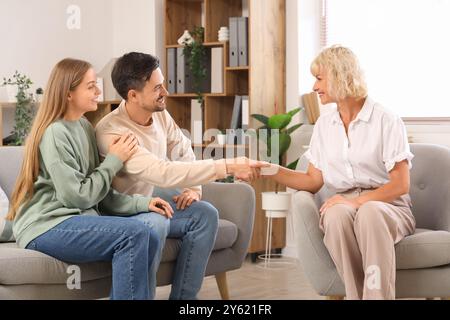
x: 218, y: 13
x: 237, y: 82
x: 180, y: 110
x: 218, y: 111
x: 180, y: 16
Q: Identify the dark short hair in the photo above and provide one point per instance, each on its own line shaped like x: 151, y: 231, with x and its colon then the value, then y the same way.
x: 132, y: 71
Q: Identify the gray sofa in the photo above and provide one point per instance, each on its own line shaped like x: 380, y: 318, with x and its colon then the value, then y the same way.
x: 27, y: 274
x: 422, y: 259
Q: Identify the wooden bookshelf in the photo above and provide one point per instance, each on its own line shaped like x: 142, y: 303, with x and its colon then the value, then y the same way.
x: 103, y: 109
x: 263, y: 80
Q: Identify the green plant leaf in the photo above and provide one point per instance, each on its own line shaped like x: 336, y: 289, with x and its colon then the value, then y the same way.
x: 279, y: 121
x: 261, y: 118
x: 285, y: 142
x: 295, y: 111
x: 293, y: 128
x: 293, y: 165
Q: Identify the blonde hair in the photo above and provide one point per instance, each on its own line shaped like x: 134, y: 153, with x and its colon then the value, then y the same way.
x: 344, y: 74
x: 65, y: 77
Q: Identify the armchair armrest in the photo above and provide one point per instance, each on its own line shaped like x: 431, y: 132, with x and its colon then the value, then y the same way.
x: 235, y: 203
x: 313, y: 255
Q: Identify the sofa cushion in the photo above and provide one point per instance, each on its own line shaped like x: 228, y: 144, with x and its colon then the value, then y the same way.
x: 22, y: 266
x: 423, y: 249
x: 226, y: 236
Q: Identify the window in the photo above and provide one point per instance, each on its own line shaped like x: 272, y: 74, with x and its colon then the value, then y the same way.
x: 403, y: 48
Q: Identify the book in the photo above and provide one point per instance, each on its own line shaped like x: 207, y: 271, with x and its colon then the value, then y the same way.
x: 245, y: 113
x: 311, y: 104
x: 196, y: 122
x: 306, y: 104
x: 216, y: 70
x: 236, y: 116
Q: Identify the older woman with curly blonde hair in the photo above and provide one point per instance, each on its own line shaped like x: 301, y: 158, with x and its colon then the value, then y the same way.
x: 361, y: 152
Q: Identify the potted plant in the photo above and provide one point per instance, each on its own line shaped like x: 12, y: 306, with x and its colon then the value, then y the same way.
x: 221, y: 137
x: 275, y: 130
x: 196, y: 55
x: 24, y: 112
x: 39, y: 94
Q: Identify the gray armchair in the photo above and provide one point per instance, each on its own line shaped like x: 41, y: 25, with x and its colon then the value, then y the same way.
x: 422, y: 259
x: 27, y: 274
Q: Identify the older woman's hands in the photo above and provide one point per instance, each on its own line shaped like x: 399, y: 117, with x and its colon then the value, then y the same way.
x: 338, y: 199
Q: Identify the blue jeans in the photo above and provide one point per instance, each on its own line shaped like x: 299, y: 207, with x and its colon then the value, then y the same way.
x: 196, y: 227
x: 127, y: 243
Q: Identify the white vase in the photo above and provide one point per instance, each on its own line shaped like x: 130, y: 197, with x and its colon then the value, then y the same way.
x: 223, y: 34
x: 221, y: 138
x: 186, y: 38
x: 275, y: 204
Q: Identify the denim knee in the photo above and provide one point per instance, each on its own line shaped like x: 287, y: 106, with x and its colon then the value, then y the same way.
x: 207, y: 213
x: 158, y: 223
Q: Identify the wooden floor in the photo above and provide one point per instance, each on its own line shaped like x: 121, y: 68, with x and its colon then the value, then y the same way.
x: 253, y: 281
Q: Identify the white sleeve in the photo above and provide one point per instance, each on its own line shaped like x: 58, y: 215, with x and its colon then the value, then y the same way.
x: 395, y: 143
x: 313, y: 154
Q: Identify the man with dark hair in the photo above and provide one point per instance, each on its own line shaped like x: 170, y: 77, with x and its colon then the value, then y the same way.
x: 139, y: 80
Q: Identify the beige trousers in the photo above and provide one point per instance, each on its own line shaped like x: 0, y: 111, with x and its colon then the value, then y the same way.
x: 361, y: 243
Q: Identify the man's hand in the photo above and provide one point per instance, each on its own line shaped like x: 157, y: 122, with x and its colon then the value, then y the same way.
x: 161, y: 206
x: 339, y: 199
x: 245, y: 169
x: 186, y: 198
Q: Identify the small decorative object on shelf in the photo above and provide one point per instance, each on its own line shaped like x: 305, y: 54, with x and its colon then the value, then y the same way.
x: 24, y: 110
x: 185, y: 39
x: 224, y: 34
x: 221, y: 137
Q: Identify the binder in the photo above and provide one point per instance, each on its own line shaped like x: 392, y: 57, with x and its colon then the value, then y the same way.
x: 243, y: 41
x: 196, y: 122
x: 236, y: 116
x: 245, y: 113
x: 234, y: 45
x: 206, y: 84
x: 172, y: 70
x: 184, y: 77
x: 216, y: 70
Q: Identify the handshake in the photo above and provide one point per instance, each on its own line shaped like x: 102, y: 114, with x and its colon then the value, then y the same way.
x: 249, y: 170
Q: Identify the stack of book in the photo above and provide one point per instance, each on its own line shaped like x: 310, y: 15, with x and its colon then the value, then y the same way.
x: 311, y: 104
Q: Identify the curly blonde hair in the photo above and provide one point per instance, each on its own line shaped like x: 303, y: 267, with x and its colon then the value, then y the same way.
x: 345, y: 77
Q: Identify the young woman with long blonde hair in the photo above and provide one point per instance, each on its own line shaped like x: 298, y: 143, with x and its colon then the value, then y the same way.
x: 63, y: 204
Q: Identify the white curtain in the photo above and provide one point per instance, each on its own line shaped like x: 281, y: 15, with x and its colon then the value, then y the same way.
x: 403, y: 47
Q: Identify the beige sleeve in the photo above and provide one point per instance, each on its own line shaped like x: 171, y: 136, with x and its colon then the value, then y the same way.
x: 179, y: 147
x: 145, y: 166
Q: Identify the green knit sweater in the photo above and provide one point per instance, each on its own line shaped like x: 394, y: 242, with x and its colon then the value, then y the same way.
x: 72, y: 182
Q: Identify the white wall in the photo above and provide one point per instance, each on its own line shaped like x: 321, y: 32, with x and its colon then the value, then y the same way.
x: 35, y: 36
x: 134, y: 26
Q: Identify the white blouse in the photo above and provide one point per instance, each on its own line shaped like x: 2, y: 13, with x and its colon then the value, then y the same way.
x: 376, y: 140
